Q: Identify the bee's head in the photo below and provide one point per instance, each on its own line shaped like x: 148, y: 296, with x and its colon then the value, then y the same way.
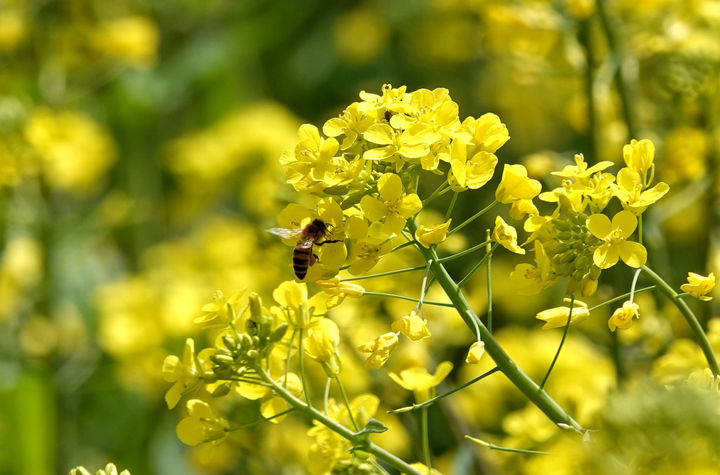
x: 321, y: 225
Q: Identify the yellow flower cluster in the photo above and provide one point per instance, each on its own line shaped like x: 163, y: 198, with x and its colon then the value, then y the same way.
x: 577, y: 240
x: 365, y: 163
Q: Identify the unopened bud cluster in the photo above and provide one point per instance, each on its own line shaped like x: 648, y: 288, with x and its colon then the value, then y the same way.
x: 571, y: 252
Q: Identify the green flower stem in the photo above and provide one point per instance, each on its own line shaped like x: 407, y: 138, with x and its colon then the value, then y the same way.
x: 621, y: 297
x: 465, y: 252
x: 260, y: 421
x: 690, y: 317
x: 346, y: 401
x: 505, y: 449
x: 488, y: 269
x: 411, y: 299
x: 439, y: 191
x: 615, y: 56
x: 422, y: 288
x: 470, y: 219
x: 430, y: 401
x: 477, y: 266
x: 425, y: 437
x: 400, y: 246
x: 526, y: 385
x: 383, y: 274
x: 357, y: 440
x: 562, y: 342
x: 301, y: 367
x: 451, y: 206
x: 289, y: 355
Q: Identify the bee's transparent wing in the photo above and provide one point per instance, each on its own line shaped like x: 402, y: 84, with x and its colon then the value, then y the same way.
x: 285, y: 233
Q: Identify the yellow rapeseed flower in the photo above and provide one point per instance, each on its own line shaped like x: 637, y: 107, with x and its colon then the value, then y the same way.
x: 184, y: 373
x: 699, y: 286
x: 515, y: 185
x: 221, y: 311
x: 615, y: 245
x: 435, y: 234
x: 557, y: 317
x: 420, y: 382
x: 394, y: 205
x: 506, y: 236
x: 475, y: 353
x: 201, y: 425
x: 639, y: 155
x: 622, y: 317
x: 629, y: 190
x: 320, y: 344
x: 412, y: 326
x: 379, y: 349
x: 530, y: 279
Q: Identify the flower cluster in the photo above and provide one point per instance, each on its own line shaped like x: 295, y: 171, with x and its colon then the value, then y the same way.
x: 578, y: 239
x: 365, y: 167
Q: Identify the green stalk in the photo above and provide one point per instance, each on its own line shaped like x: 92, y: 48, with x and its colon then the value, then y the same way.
x: 411, y: 299
x: 470, y: 219
x: 346, y: 401
x: 425, y: 437
x: 383, y: 274
x: 432, y: 400
x: 526, y: 385
x: 562, y: 342
x: 690, y: 317
x: 358, y: 440
x: 467, y: 251
x: 488, y: 269
x: 301, y: 366
x: 616, y: 58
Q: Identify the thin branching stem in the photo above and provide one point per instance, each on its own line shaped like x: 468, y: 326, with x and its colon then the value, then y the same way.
x: 477, y: 266
x: 383, y: 274
x: 472, y: 218
x: 433, y: 400
x: 411, y: 299
x: 467, y: 251
x: 505, y: 449
x: 620, y: 297
x: 562, y: 342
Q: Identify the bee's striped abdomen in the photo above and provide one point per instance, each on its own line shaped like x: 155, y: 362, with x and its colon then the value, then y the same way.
x: 302, y: 256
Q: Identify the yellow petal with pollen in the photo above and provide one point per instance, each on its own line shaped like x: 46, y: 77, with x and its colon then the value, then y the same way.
x: 626, y: 222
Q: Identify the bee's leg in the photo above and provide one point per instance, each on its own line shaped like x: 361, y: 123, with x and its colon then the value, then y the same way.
x: 328, y: 241
x: 313, y: 258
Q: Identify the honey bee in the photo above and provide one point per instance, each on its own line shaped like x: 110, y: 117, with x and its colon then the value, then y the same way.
x: 312, y: 234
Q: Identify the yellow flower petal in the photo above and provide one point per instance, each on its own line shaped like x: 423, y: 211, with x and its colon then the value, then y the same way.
x: 624, y: 221
x: 599, y: 225
x: 633, y: 254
